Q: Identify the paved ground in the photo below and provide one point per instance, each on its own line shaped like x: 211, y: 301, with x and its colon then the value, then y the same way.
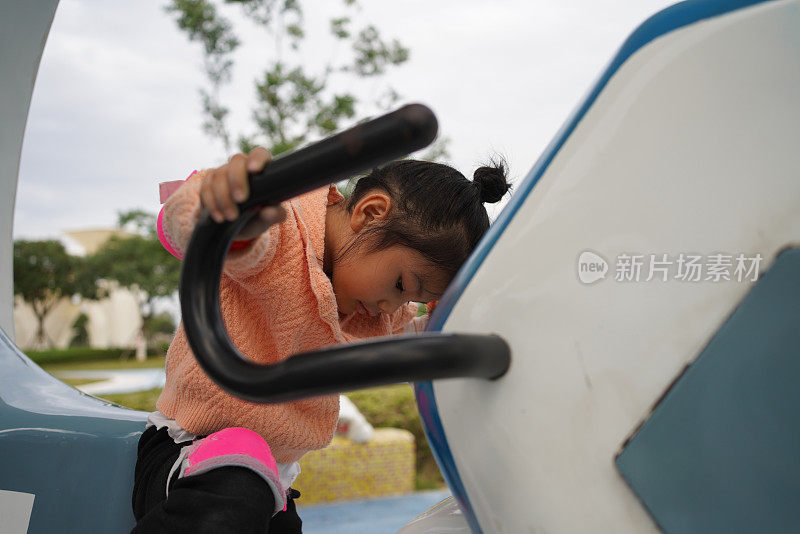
x: 374, y: 516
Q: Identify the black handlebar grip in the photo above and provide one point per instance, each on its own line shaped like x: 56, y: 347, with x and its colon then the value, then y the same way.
x: 433, y: 356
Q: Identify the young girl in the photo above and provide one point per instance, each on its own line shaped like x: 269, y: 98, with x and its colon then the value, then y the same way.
x: 315, y: 271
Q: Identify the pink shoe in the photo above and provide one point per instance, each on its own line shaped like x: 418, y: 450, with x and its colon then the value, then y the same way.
x: 238, y: 447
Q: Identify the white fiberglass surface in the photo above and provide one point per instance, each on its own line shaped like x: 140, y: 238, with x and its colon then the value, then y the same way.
x: 23, y: 30
x: 689, y: 149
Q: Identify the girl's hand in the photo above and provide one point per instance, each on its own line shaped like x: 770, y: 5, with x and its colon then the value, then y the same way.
x: 222, y: 188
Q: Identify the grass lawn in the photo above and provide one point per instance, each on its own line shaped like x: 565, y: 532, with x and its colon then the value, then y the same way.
x: 138, y: 400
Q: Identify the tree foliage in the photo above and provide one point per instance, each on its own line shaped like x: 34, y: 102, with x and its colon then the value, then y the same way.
x: 44, y: 274
x: 138, y: 262
x: 293, y: 103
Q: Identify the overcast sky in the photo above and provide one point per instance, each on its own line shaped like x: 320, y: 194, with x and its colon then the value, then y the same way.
x: 115, y: 109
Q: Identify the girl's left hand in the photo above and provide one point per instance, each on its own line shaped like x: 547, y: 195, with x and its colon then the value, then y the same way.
x: 222, y: 188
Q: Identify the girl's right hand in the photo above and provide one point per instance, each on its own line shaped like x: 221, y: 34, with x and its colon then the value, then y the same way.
x: 224, y: 186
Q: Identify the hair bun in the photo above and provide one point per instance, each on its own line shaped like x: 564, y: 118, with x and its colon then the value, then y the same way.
x: 490, y: 180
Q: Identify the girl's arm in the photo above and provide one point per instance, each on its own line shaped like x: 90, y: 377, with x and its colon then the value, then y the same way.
x: 180, y: 214
x: 219, y: 190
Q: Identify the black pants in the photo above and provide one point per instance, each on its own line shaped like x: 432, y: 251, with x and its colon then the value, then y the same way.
x: 227, y: 499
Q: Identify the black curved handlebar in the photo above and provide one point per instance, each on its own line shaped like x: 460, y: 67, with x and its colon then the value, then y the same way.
x: 384, y: 361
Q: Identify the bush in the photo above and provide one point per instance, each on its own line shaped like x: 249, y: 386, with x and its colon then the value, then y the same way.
x: 80, y: 338
x: 75, y: 354
x: 395, y: 406
x: 88, y: 354
x: 161, y: 323
x: 160, y: 349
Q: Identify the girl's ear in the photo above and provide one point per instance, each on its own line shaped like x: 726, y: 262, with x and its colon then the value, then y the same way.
x: 374, y: 206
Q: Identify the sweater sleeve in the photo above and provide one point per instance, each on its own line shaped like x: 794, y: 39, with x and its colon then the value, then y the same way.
x: 403, y: 320
x: 417, y: 325
x: 179, y: 216
x: 177, y: 221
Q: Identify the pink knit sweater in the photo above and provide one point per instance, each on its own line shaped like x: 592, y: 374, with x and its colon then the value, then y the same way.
x: 276, y: 301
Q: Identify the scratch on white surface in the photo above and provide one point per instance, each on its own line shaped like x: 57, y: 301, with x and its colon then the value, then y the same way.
x: 583, y: 365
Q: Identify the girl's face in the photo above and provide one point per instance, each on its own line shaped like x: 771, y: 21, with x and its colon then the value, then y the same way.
x: 371, y: 283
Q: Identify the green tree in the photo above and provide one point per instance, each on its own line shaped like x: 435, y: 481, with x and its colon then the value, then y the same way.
x: 44, y: 274
x: 294, y: 104
x: 139, y: 263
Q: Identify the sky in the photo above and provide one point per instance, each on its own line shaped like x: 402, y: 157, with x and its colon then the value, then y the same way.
x: 115, y: 108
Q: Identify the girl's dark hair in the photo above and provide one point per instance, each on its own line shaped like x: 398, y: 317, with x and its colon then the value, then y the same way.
x: 436, y: 210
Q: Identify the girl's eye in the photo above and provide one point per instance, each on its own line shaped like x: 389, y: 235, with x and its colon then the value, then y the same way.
x: 399, y: 284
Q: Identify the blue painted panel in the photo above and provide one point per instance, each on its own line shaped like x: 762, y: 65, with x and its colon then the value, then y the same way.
x: 74, y: 452
x: 721, y: 452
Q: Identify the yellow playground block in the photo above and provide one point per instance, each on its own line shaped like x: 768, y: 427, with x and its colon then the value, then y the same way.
x: 345, y: 470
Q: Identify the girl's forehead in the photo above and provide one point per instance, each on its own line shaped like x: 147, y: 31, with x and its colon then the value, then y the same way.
x: 433, y: 278
x: 411, y: 259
